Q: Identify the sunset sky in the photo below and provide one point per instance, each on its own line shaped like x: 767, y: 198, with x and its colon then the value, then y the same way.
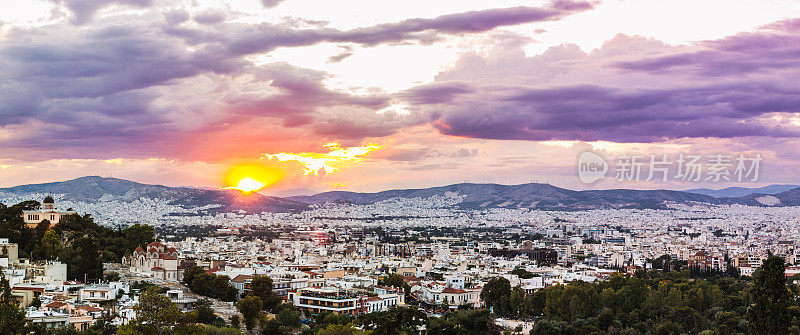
x: 370, y: 95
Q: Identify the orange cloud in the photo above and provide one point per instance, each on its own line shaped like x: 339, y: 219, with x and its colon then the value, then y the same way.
x: 337, y: 158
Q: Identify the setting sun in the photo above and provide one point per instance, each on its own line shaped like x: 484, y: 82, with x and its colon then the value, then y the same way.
x: 248, y: 184
x: 249, y: 178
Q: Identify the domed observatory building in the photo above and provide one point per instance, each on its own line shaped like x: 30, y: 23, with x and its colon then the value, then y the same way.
x: 48, y: 212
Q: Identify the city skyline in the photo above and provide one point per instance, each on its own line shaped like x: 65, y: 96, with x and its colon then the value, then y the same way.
x: 367, y: 97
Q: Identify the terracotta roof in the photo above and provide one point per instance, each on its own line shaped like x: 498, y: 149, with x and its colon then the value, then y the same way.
x: 139, y: 249
x: 56, y: 304
x: 453, y: 290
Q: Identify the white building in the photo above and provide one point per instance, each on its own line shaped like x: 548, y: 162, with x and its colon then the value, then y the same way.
x: 441, y: 293
x: 97, y: 293
x: 48, y: 212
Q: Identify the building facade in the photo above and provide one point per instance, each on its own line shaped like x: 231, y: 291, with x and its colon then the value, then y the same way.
x: 48, y: 212
x: 158, y: 261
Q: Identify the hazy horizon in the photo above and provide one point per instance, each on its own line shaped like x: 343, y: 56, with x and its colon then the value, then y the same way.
x: 400, y: 95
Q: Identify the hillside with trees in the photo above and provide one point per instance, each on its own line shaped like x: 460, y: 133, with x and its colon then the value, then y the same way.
x: 76, y: 240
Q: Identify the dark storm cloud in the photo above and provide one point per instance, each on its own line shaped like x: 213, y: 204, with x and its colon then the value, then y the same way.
x: 738, y: 86
x: 589, y: 112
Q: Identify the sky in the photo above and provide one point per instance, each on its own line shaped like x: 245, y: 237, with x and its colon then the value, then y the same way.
x: 372, y: 95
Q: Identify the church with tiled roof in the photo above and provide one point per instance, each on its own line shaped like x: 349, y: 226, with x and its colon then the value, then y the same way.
x: 158, y: 261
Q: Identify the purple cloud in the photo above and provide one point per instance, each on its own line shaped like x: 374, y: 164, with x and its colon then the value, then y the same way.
x: 248, y: 39
x: 211, y: 16
x: 630, y: 90
x: 436, y: 93
x: 83, y: 10
x: 774, y: 47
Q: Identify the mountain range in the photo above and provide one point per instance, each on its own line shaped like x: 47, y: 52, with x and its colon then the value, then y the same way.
x: 730, y: 192
x: 549, y: 197
x: 94, y: 188
x: 533, y: 195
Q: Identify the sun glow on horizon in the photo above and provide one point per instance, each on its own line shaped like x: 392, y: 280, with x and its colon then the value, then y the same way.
x: 248, y: 184
x: 249, y: 178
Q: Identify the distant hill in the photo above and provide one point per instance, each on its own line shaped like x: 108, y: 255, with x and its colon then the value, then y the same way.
x: 474, y: 196
x: 785, y: 198
x: 730, y: 192
x: 94, y: 188
x: 534, y: 195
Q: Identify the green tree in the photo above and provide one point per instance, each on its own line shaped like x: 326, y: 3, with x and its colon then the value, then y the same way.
x: 399, y: 320
x: 273, y: 327
x: 768, y: 313
x: 394, y: 280
x: 496, y: 294
x: 347, y: 329
x: 262, y: 287
x: 155, y: 312
x: 517, y: 300
x: 139, y: 235
x: 89, y: 264
x: 210, y: 285
x: 103, y: 326
x: 235, y: 322
x: 469, y: 322
x: 190, y: 273
x: 289, y: 317
x: 12, y: 317
x: 205, y: 314
x: 42, y: 228
x: 522, y: 273
x: 250, y: 307
x: 48, y: 247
